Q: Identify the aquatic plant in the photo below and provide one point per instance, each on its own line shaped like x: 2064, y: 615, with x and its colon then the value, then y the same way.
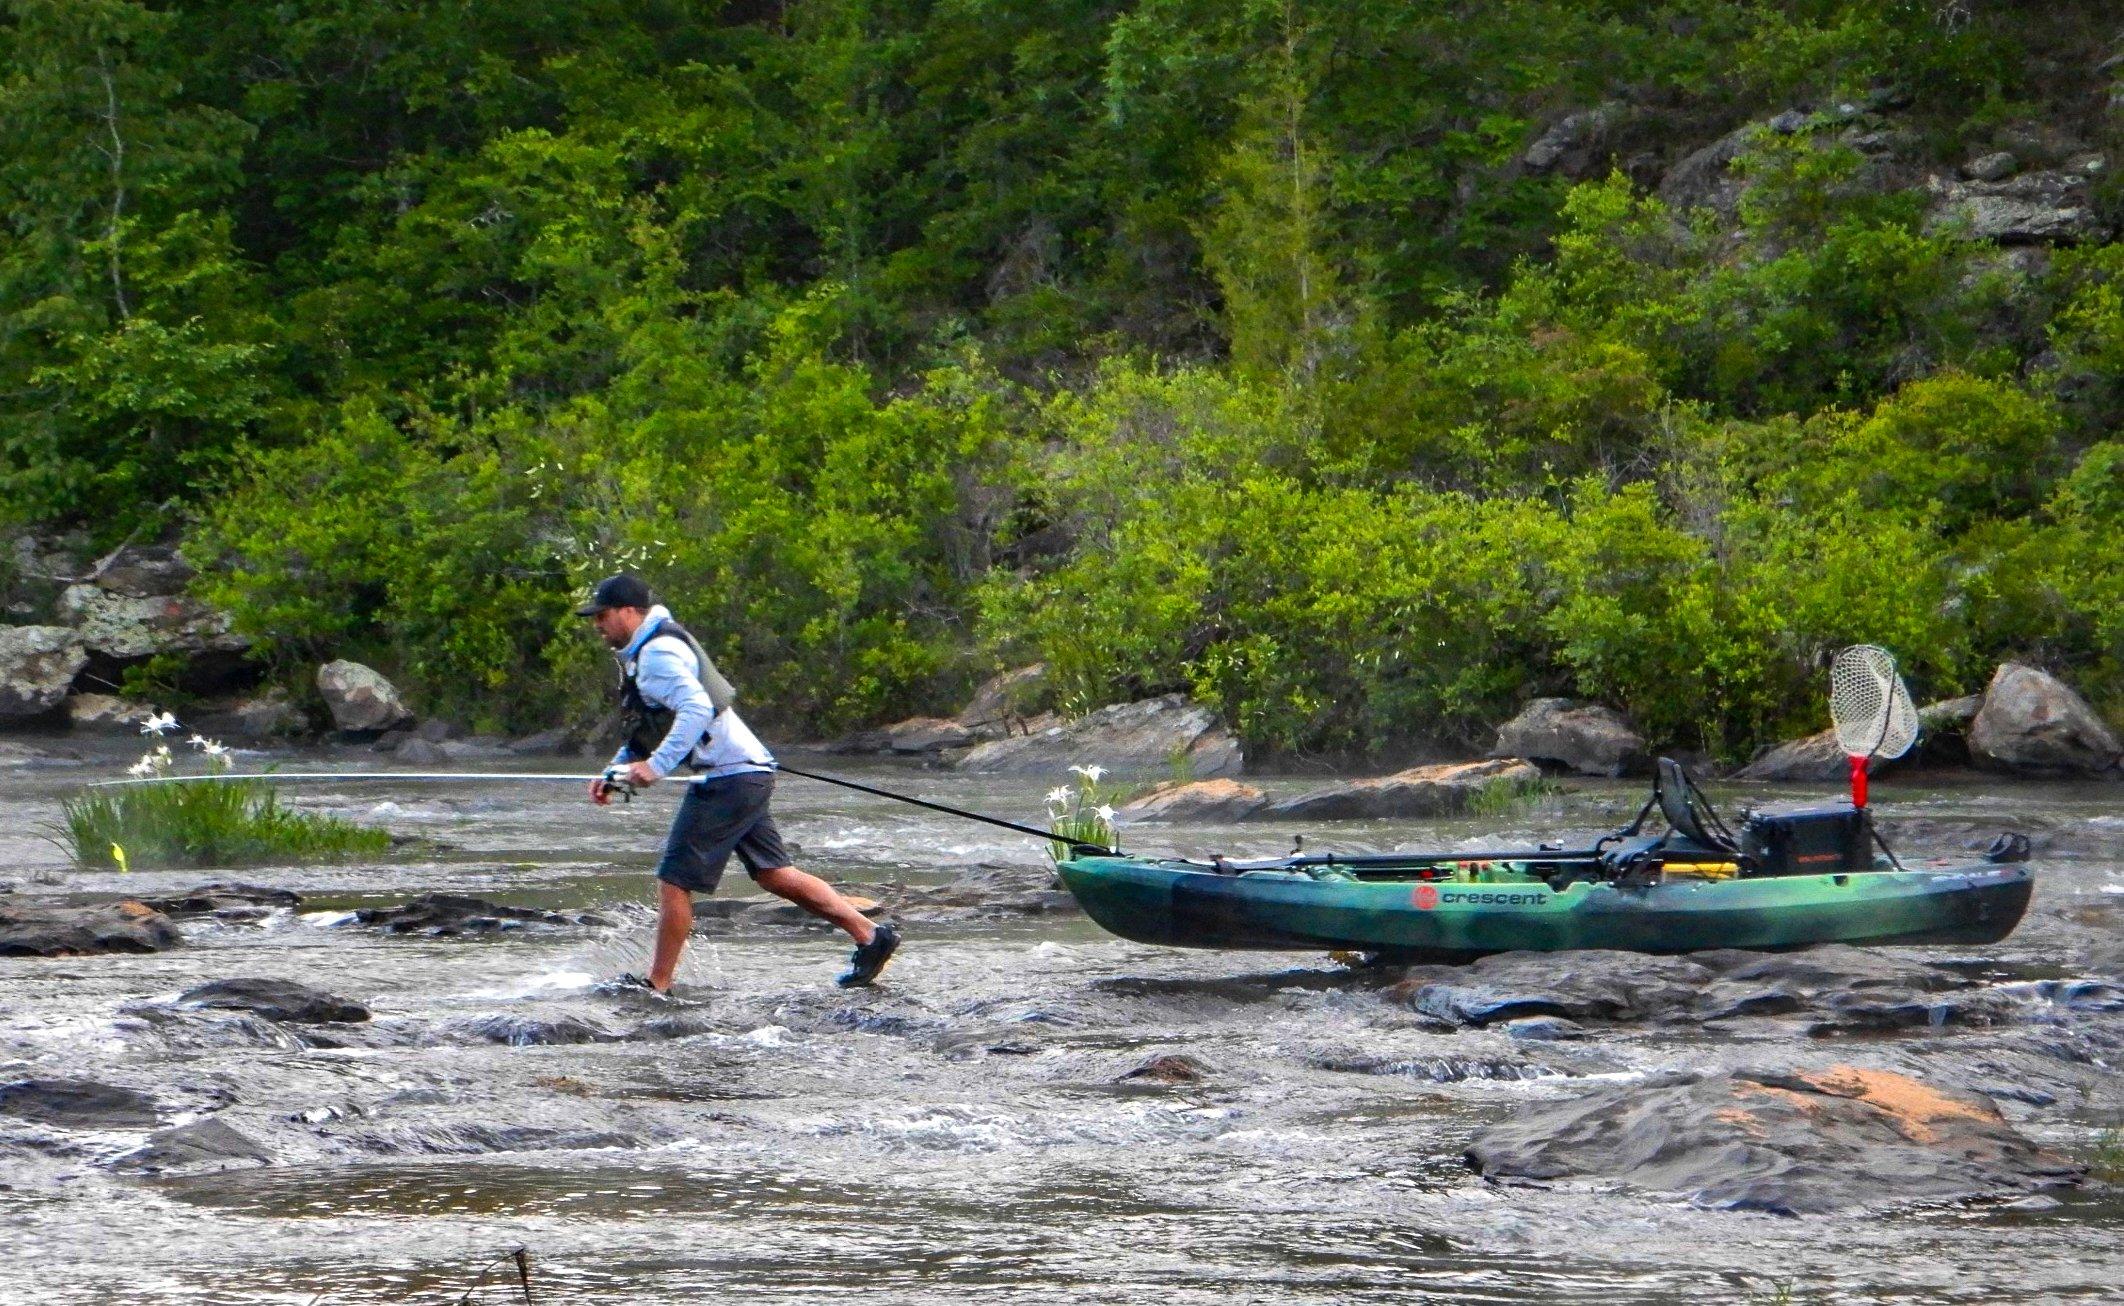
x: 2106, y: 1160
x: 210, y: 821
x: 1507, y: 796
x: 1082, y: 812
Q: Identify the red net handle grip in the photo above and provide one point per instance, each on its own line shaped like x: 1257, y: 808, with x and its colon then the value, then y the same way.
x: 1858, y: 780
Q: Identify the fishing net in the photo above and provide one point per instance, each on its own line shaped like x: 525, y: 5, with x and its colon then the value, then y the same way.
x: 1872, y: 710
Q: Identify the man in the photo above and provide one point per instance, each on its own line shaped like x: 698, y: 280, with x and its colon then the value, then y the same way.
x: 676, y: 710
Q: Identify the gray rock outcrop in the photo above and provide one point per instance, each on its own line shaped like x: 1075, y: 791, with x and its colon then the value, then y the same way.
x: 106, y: 712
x: 1201, y: 800
x: 1790, y: 1143
x: 142, y: 571
x: 360, y: 699
x: 1585, y: 737
x: 1003, y: 701
x: 46, y: 930
x: 1445, y: 789
x: 2035, y: 208
x: 2032, y: 722
x: 202, y: 1146
x: 1575, y: 145
x: 37, y: 665
x: 77, y: 1104
x: 127, y: 627
x: 1817, y: 757
x: 1140, y: 738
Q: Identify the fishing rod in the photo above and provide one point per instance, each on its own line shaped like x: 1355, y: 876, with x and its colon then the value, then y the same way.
x: 613, y: 779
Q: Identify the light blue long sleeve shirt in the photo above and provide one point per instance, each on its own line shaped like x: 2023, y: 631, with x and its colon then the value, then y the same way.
x: 670, y: 677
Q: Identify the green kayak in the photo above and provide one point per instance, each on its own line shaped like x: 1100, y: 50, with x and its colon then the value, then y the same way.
x: 1791, y: 878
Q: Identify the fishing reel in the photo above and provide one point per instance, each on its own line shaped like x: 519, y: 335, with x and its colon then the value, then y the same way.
x: 614, y: 784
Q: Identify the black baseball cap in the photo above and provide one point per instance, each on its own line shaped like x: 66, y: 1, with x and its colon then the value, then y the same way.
x: 621, y: 591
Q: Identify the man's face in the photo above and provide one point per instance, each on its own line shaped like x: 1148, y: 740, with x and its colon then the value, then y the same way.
x: 616, y: 625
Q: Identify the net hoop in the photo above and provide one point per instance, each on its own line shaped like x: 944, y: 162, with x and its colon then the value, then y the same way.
x: 1870, y: 705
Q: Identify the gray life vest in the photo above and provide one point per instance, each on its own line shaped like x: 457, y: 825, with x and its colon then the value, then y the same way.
x: 644, y: 726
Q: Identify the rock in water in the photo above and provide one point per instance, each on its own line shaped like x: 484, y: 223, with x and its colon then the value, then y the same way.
x: 360, y: 699
x: 1800, y: 1143
x: 230, y: 901
x: 77, y: 1104
x: 1422, y: 791
x: 1586, y: 737
x: 1203, y: 800
x: 31, y: 930
x: 1167, y: 1068
x: 284, y: 1001
x: 461, y: 913
x: 37, y: 664
x: 2031, y: 721
x: 1817, y: 757
x: 1127, y: 739
x: 202, y: 1145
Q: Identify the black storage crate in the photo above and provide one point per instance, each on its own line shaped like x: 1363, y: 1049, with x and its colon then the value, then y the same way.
x: 1807, y: 840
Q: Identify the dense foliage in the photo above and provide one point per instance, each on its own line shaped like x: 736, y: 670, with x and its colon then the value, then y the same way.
x: 1186, y: 344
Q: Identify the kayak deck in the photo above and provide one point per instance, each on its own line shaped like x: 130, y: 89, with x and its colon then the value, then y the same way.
x: 1410, y: 907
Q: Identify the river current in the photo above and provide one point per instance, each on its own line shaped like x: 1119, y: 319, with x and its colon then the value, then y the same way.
x: 969, y: 1128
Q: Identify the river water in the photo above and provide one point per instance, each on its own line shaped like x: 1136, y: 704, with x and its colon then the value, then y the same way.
x: 965, y: 1128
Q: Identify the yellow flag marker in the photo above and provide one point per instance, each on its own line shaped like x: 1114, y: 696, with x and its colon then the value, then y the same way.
x: 118, y: 856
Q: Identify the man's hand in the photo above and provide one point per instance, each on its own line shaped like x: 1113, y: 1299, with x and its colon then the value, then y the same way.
x: 638, y: 775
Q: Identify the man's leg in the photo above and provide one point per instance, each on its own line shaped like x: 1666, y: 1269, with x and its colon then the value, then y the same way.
x: 813, y: 895
x: 674, y: 921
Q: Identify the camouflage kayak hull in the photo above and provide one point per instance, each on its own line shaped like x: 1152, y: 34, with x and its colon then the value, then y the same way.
x: 1186, y: 905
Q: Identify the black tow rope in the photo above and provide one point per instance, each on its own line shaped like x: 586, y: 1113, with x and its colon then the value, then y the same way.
x: 1049, y: 835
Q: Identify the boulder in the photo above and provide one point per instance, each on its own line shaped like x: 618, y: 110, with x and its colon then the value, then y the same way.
x: 1591, y: 984
x: 1575, y: 145
x: 416, y: 751
x: 360, y: 699
x: 1997, y: 166
x: 924, y: 735
x: 1166, y: 1068
x: 1201, y: 800
x: 238, y: 902
x: 2035, y: 208
x: 1444, y: 789
x: 127, y: 628
x: 37, y: 666
x: 1585, y: 737
x: 2031, y: 722
x: 1817, y: 757
x: 34, y: 930
x: 1002, y: 700
x: 270, y: 715
x: 282, y: 1001
x: 1704, y: 178
x: 556, y: 742
x: 203, y: 1145
x: 77, y: 1104
x: 1789, y: 1143
x: 106, y: 712
x: 1140, y: 738
x: 142, y: 571
x: 445, y: 914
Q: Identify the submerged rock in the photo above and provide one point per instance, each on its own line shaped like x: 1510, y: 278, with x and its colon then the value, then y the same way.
x: 1202, y: 800
x: 203, y: 1145
x: 34, y: 930
x: 531, y: 1031
x: 1584, y: 737
x: 1166, y: 1068
x: 1445, y: 789
x: 2031, y: 721
x: 77, y: 1104
x: 1787, y: 1143
x: 239, y: 902
x: 1127, y: 739
x: 446, y: 914
x: 283, y: 1001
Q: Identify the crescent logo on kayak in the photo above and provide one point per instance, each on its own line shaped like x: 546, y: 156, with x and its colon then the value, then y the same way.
x: 1425, y: 897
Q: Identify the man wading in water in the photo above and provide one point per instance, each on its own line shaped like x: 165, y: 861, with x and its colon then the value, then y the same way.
x: 676, y: 709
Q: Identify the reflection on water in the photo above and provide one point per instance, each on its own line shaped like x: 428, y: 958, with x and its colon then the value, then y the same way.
x: 965, y: 1128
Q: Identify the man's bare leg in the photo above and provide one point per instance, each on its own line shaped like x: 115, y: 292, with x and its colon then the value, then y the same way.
x: 674, y: 921
x: 817, y: 897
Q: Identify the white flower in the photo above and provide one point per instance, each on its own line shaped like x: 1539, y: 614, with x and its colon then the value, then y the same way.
x: 1058, y: 794
x: 1104, y: 813
x: 1092, y: 773
x: 144, y: 767
x: 158, y: 723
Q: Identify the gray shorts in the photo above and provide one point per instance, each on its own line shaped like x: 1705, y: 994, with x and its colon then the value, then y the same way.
x: 717, y: 818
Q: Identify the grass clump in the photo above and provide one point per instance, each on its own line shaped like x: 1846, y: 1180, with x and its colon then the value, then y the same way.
x: 2106, y: 1161
x: 214, y: 822
x: 1509, y: 797
x: 1082, y: 813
